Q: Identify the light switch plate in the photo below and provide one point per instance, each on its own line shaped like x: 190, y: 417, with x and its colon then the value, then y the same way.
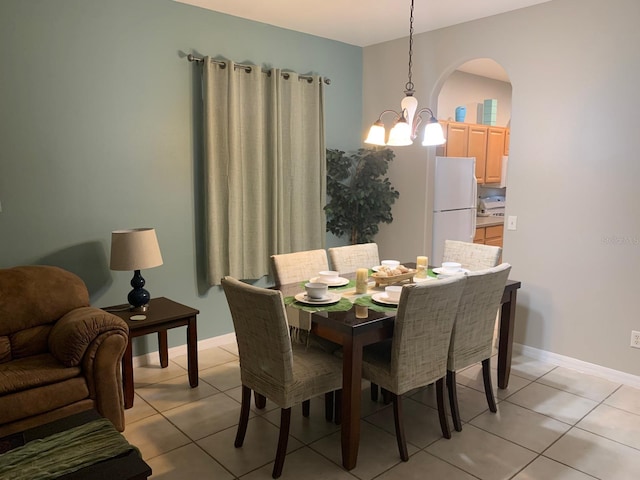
x: 512, y: 222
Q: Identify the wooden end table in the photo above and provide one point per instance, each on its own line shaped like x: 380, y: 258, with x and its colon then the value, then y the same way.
x: 162, y: 315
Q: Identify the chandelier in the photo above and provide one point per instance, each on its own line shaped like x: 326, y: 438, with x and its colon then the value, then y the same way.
x: 408, y: 119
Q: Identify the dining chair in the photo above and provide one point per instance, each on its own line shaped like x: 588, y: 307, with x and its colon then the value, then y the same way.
x: 270, y: 364
x: 417, y: 354
x: 351, y: 257
x: 472, y: 256
x: 472, y: 335
x: 298, y: 266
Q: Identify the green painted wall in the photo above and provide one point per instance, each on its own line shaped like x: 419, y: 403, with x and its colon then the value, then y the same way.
x: 99, y: 130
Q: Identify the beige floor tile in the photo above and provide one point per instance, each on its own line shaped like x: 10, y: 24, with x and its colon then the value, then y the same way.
x: 223, y: 377
x: 231, y: 348
x: 259, y: 447
x: 423, y: 465
x: 522, y: 426
x: 154, y: 436
x: 529, y: 368
x: 421, y: 423
x: 154, y: 373
x: 626, y: 398
x: 615, y: 424
x: 472, y: 377
x: 378, y: 451
x: 207, y: 358
x: 545, y: 469
x: 140, y: 410
x: 482, y: 454
x: 578, y: 383
x: 309, y: 429
x: 174, y: 392
x: 303, y: 464
x: 596, y: 456
x: 563, y: 406
x: 236, y: 394
x: 188, y: 462
x: 206, y: 416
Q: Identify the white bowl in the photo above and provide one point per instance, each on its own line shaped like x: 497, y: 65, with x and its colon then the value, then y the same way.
x: 392, y: 264
x: 329, y: 276
x: 316, y: 290
x: 393, y: 292
x: 451, y: 267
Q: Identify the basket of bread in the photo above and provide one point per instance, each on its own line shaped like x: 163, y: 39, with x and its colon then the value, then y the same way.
x: 386, y: 275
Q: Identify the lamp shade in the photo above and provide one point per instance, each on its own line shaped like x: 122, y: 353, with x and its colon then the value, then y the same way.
x: 376, y: 134
x: 400, y: 134
x: 433, y: 134
x: 135, y: 249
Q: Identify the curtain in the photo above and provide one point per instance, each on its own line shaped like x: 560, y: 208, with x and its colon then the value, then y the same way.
x: 265, y: 168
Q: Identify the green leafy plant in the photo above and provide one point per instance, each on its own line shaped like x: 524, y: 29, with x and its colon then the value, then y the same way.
x: 360, y: 194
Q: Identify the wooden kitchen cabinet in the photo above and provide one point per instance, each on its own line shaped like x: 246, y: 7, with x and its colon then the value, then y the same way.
x: 492, y: 235
x: 507, y: 139
x: 484, y: 142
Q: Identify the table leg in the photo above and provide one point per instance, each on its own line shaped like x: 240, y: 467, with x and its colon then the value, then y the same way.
x: 192, y: 352
x: 505, y: 345
x: 163, y: 348
x: 351, y: 397
x: 127, y: 375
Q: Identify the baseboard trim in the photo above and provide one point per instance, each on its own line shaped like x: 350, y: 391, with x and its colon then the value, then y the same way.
x: 152, y: 357
x: 575, y: 364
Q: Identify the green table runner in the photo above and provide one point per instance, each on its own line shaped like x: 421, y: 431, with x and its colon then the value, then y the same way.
x: 64, y: 452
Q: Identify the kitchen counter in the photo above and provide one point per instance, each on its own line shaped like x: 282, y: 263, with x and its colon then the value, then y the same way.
x: 489, y: 221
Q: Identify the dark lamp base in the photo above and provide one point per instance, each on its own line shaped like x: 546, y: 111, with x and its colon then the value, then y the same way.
x: 141, y: 308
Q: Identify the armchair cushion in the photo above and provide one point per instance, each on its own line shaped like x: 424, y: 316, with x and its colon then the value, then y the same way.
x: 72, y: 334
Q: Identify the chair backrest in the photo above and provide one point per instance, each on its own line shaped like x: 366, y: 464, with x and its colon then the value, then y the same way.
x: 262, y: 333
x: 422, y: 332
x: 348, y: 259
x: 298, y: 266
x: 472, y: 256
x: 472, y: 336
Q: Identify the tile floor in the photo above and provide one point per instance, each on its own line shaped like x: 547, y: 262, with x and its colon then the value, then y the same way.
x: 552, y: 424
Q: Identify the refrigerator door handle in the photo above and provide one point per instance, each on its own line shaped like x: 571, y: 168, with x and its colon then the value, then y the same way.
x: 475, y: 196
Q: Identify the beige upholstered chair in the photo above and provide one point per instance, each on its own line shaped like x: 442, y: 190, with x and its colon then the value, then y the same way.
x: 472, y: 336
x: 472, y: 256
x: 348, y: 259
x: 417, y: 354
x: 270, y: 364
x: 298, y: 266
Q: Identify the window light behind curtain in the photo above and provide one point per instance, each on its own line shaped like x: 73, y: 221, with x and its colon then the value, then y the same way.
x: 265, y: 168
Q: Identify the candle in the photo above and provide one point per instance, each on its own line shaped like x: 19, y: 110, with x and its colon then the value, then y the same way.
x: 362, y: 276
x: 424, y: 261
x: 421, y: 265
x: 362, y: 311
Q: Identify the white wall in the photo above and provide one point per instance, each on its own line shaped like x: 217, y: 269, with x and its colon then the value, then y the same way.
x: 573, y: 171
x: 470, y: 91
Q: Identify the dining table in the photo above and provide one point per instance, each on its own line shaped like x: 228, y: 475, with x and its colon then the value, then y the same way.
x: 354, y: 330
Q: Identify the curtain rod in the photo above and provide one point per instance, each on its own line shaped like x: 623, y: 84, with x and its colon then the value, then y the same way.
x: 248, y: 68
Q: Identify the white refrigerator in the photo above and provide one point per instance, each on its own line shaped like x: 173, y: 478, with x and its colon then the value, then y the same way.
x: 454, y: 203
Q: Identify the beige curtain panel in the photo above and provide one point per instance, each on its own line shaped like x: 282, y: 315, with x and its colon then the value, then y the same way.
x: 265, y: 168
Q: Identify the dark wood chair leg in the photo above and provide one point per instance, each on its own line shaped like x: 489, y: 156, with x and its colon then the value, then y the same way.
x: 488, y: 388
x: 386, y: 396
x: 397, y: 416
x: 374, y: 392
x: 261, y: 400
x: 244, y: 416
x: 306, y: 405
x: 442, y: 408
x: 338, y: 407
x: 453, y: 400
x: 328, y: 406
x: 285, y: 422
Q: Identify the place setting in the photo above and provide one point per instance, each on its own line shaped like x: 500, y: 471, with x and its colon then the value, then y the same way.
x: 317, y: 294
x: 331, y: 278
x: 449, y: 269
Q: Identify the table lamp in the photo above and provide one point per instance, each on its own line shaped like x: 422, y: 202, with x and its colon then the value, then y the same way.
x: 135, y: 249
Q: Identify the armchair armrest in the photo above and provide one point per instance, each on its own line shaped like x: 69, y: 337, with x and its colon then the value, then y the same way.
x: 73, y: 333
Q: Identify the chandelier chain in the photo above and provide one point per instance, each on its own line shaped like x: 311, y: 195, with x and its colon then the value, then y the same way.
x: 409, y: 85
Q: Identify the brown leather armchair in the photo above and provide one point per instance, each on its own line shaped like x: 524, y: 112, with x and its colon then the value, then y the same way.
x: 58, y: 355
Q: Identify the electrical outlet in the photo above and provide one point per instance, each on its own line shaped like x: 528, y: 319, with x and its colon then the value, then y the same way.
x: 635, y: 339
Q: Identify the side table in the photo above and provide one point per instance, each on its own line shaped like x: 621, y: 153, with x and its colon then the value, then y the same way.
x: 162, y: 315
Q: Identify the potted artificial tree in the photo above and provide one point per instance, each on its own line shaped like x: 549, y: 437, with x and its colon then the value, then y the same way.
x: 360, y: 195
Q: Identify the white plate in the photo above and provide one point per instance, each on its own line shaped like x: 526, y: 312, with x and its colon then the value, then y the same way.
x: 425, y: 279
x: 442, y: 271
x: 341, y: 282
x: 328, y: 300
x: 382, y: 298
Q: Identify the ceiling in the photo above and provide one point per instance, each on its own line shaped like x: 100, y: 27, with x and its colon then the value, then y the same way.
x: 361, y: 22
